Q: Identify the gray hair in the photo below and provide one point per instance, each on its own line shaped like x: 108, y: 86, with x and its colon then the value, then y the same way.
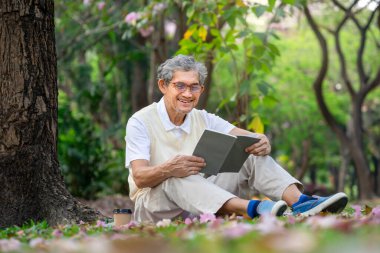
x: 181, y: 63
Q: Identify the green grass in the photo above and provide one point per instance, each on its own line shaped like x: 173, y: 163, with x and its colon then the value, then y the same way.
x: 350, y: 231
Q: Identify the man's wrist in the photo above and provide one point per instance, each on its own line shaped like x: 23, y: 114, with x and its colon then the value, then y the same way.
x: 164, y: 171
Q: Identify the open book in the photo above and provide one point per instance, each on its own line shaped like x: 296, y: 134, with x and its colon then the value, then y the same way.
x: 223, y: 152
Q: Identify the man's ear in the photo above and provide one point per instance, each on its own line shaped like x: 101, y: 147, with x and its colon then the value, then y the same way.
x: 162, y: 86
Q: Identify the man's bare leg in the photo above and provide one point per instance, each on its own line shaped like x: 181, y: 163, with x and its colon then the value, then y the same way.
x: 234, y: 205
x: 291, y: 194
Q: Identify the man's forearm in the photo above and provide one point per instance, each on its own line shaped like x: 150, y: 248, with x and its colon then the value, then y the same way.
x: 150, y: 176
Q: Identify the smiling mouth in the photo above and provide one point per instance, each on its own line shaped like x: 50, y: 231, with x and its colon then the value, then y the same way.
x: 185, y: 101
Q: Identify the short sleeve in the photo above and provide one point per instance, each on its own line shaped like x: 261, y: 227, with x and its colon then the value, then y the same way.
x: 216, y: 123
x: 137, y: 141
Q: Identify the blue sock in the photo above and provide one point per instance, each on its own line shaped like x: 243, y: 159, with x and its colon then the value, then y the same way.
x: 302, y: 199
x: 251, y: 209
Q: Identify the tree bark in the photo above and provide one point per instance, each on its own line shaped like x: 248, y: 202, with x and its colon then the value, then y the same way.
x: 32, y: 186
x: 346, y: 160
x: 139, y: 92
x: 305, y: 159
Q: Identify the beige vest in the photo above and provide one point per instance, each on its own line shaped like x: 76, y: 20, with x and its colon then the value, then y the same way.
x: 165, y: 145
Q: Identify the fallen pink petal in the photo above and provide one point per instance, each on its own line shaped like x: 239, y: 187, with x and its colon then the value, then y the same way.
x: 9, y: 245
x: 236, y: 230
x: 207, y: 217
x: 188, y: 221
x: 358, y: 211
x: 269, y: 224
x: 100, y: 223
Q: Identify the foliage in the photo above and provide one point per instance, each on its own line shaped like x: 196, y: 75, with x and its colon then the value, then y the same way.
x: 261, y: 79
x: 221, y: 30
x: 101, y: 45
x: 207, y: 233
x: 289, y: 110
x: 89, y: 164
x: 92, y: 85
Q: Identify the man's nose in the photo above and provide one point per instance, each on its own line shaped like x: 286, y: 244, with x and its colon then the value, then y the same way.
x: 187, y: 92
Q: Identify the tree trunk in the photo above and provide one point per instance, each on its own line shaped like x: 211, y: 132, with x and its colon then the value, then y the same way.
x: 210, y: 69
x: 353, y: 139
x: 32, y: 186
x: 305, y: 159
x: 139, y: 94
x: 346, y: 160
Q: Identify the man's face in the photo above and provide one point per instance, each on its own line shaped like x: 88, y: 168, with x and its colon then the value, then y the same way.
x: 182, y: 93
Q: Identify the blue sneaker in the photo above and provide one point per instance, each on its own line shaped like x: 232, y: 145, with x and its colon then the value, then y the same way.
x: 315, y: 204
x: 270, y: 207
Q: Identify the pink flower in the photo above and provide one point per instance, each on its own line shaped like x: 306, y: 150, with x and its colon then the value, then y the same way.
x: 237, y: 230
x: 100, y: 223
x: 206, y: 217
x: 81, y: 222
x: 358, y: 211
x: 215, y: 224
x: 188, y: 221
x: 20, y: 233
x: 269, y: 224
x: 132, y: 18
x: 323, y: 222
x: 291, y: 220
x: 159, y: 7
x: 86, y: 2
x: 145, y: 32
x: 57, y: 233
x: 376, y: 212
x: 170, y: 28
x: 101, y: 5
x: 9, y: 245
x: 130, y: 225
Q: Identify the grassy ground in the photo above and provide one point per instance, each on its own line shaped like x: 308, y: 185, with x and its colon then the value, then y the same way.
x: 356, y: 229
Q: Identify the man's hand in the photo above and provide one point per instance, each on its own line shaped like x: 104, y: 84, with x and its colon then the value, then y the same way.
x: 184, y: 165
x: 260, y: 148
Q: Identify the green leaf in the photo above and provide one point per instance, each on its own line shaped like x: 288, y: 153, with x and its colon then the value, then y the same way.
x: 271, y: 4
x: 190, y: 12
x: 245, y: 87
x: 288, y: 1
x: 260, y: 10
x: 270, y: 101
x: 243, y: 33
x: 274, y: 49
x: 263, y: 88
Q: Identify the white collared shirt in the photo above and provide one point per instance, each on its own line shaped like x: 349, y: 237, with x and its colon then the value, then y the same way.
x: 137, y: 140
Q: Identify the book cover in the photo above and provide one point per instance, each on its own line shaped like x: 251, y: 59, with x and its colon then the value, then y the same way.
x: 222, y: 152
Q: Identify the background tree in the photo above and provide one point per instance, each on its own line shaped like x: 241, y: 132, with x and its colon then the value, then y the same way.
x: 32, y: 185
x: 351, y: 133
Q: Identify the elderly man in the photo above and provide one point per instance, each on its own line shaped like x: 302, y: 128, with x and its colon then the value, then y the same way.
x: 165, y: 180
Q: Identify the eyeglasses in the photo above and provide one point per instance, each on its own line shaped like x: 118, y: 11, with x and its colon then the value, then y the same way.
x: 182, y: 87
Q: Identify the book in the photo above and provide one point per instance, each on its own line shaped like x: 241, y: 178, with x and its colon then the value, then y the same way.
x: 223, y: 152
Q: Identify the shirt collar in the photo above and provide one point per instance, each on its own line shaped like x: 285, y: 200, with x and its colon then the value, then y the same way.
x: 168, y: 125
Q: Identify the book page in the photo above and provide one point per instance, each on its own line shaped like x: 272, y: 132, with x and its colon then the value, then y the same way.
x: 214, y: 148
x: 237, y: 155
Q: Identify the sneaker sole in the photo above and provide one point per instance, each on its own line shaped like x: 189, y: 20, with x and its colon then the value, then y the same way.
x: 335, y: 204
x: 279, y: 208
